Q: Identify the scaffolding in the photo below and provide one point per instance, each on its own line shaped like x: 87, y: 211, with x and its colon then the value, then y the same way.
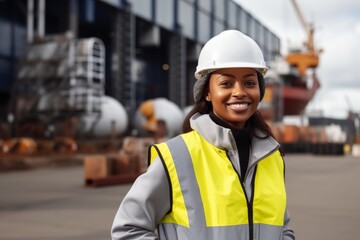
x: 60, y: 78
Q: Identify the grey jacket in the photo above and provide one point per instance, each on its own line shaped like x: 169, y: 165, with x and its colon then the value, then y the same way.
x: 149, y: 198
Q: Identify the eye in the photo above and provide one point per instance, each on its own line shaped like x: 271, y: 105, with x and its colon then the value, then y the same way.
x: 226, y: 83
x: 250, y: 83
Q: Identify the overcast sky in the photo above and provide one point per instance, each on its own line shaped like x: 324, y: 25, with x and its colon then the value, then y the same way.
x: 337, y: 26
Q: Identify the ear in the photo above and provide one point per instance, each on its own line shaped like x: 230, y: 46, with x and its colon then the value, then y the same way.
x: 207, y: 98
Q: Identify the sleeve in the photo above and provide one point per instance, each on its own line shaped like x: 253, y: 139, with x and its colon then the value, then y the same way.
x: 288, y: 234
x: 144, y: 206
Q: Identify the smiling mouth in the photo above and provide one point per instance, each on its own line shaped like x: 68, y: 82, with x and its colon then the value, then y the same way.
x: 238, y: 106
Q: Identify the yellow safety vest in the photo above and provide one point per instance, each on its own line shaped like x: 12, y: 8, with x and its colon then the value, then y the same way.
x: 207, y: 194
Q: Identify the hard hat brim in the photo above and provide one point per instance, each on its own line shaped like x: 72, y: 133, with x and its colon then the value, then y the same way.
x: 208, y: 69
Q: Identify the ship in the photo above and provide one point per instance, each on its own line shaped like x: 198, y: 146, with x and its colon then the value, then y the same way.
x: 292, y: 78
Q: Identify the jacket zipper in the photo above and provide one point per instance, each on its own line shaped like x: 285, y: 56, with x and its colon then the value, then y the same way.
x: 250, y: 207
x: 249, y: 203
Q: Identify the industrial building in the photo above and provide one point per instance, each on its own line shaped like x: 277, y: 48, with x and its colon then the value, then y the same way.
x: 140, y: 49
x: 97, y: 76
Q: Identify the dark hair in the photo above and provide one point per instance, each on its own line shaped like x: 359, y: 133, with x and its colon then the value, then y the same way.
x: 204, y: 107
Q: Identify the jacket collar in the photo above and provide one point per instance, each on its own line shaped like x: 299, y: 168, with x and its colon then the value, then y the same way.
x: 223, y: 138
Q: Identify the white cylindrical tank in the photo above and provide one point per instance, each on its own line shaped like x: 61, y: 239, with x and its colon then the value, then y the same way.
x: 152, y: 110
x: 187, y: 109
x: 113, y: 120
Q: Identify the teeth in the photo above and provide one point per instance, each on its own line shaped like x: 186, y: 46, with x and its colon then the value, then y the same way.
x: 238, y: 105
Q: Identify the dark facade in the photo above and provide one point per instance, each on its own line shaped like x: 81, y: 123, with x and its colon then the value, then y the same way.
x: 151, y: 46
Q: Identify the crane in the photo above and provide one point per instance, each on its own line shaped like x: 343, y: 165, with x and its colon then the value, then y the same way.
x: 308, y: 27
x: 308, y: 58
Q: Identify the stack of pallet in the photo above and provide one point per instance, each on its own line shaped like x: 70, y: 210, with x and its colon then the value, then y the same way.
x: 117, y: 168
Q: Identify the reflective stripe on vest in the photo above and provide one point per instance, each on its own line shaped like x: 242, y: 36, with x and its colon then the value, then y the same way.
x: 208, y: 200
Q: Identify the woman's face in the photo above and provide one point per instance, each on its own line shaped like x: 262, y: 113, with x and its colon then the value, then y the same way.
x: 234, y: 94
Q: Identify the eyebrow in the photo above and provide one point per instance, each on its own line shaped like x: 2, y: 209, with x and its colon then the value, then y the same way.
x: 233, y: 76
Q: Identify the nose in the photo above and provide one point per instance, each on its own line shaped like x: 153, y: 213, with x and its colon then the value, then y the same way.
x: 238, y: 90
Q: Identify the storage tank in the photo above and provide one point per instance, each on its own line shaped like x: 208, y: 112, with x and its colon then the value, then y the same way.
x: 187, y: 109
x: 151, y: 111
x: 112, y: 121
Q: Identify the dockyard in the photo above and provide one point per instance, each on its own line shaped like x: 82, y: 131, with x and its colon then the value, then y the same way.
x: 53, y: 203
x: 81, y: 101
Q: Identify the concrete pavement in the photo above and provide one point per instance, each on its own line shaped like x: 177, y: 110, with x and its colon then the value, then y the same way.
x: 52, y: 203
x: 324, y: 196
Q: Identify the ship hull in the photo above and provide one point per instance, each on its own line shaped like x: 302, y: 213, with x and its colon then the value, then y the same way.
x: 295, y: 99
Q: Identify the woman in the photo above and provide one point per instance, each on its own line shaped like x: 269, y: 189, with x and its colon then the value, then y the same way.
x: 224, y: 177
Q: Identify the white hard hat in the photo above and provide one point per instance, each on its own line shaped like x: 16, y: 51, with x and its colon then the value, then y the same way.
x: 230, y: 49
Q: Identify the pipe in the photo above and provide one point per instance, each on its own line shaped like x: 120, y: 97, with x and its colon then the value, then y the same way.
x: 30, y: 21
x: 41, y: 18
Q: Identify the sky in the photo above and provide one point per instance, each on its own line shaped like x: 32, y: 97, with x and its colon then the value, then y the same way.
x: 337, y: 32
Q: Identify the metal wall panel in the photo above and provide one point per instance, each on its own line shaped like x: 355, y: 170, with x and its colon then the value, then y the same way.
x: 204, y: 32
x: 205, y: 5
x: 20, y: 40
x: 12, y: 46
x: 187, y: 19
x: 220, y: 9
x: 142, y: 8
x: 275, y: 44
x: 5, y: 74
x: 242, y: 20
x: 5, y: 43
x: 232, y: 11
x: 250, y: 26
x: 267, y: 45
x: 165, y: 16
x: 218, y: 27
x: 258, y: 33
